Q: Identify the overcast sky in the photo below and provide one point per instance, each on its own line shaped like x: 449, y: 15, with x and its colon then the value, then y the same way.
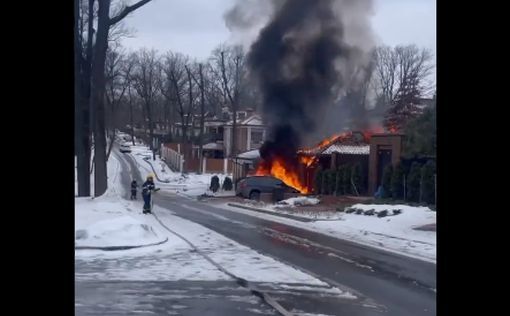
x: 195, y: 27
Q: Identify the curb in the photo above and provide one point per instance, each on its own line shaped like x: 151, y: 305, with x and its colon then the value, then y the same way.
x: 301, y: 219
x: 114, y: 248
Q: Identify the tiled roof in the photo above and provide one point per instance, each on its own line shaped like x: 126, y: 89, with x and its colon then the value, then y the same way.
x: 348, y: 149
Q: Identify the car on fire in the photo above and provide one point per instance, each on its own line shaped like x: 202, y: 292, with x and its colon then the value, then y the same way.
x: 252, y: 187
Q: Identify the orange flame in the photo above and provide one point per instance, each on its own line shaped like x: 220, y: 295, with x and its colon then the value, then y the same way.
x: 279, y: 170
x: 307, y: 160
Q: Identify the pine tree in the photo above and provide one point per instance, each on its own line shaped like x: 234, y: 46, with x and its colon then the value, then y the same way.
x: 397, y: 182
x: 405, y: 107
x: 330, y: 181
x: 356, y: 178
x: 413, y: 183
x: 340, y: 180
x: 347, y: 179
x: 318, y: 181
x: 428, y: 182
x: 386, y: 181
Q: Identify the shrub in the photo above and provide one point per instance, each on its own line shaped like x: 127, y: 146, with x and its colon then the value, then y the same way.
x: 428, y: 183
x: 227, y: 184
x: 386, y: 181
x: 413, y: 183
x: 215, y: 184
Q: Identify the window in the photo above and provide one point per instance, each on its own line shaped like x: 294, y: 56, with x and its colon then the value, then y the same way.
x: 257, y: 137
x: 241, y: 115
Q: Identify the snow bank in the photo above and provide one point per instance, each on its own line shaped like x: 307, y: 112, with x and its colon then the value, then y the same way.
x: 299, y: 201
x: 109, y: 220
x: 120, y: 231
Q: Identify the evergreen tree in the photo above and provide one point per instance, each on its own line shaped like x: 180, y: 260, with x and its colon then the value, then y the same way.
x: 413, y: 182
x: 386, y: 181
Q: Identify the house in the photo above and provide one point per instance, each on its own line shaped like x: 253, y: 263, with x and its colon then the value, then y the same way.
x: 216, y: 141
x: 251, y: 133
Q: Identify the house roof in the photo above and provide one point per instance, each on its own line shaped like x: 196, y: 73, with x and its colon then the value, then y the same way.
x: 252, y: 120
x: 213, y: 146
x: 348, y: 149
x: 250, y: 155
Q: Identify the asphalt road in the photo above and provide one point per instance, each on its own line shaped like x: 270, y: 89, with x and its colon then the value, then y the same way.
x: 385, y: 283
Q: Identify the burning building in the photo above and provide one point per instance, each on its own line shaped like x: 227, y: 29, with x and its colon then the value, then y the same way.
x: 372, y: 151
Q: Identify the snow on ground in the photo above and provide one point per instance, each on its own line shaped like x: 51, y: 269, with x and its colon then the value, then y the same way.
x: 112, y: 220
x: 109, y: 220
x: 289, y: 209
x: 194, y: 184
x: 394, y: 233
x: 143, y: 158
x: 240, y: 260
x: 299, y: 201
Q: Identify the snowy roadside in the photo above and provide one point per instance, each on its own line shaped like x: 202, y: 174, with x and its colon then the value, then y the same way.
x: 110, y: 221
x: 395, y: 233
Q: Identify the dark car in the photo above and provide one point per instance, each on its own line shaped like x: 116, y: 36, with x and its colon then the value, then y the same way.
x: 252, y: 187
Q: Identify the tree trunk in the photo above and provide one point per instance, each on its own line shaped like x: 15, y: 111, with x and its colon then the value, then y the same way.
x: 234, y: 126
x: 98, y: 90
x: 151, y: 131
x: 83, y: 108
x: 111, y: 130
x: 202, y: 113
x: 131, y: 121
x: 80, y: 145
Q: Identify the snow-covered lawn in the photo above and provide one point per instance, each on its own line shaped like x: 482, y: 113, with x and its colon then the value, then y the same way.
x: 395, y: 233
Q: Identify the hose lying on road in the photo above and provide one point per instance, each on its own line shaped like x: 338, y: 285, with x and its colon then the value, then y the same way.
x: 242, y: 282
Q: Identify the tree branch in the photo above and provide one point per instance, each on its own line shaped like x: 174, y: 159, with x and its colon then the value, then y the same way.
x: 127, y: 10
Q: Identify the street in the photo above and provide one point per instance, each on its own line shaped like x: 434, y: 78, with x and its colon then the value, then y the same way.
x: 383, y: 282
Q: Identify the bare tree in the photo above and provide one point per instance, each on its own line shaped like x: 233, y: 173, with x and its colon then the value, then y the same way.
x: 228, y: 66
x: 191, y: 102
x: 201, y: 85
x: 395, y: 66
x: 84, y: 13
x: 104, y: 23
x: 145, y: 77
x: 176, y: 73
x: 402, y: 78
x: 118, y: 79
